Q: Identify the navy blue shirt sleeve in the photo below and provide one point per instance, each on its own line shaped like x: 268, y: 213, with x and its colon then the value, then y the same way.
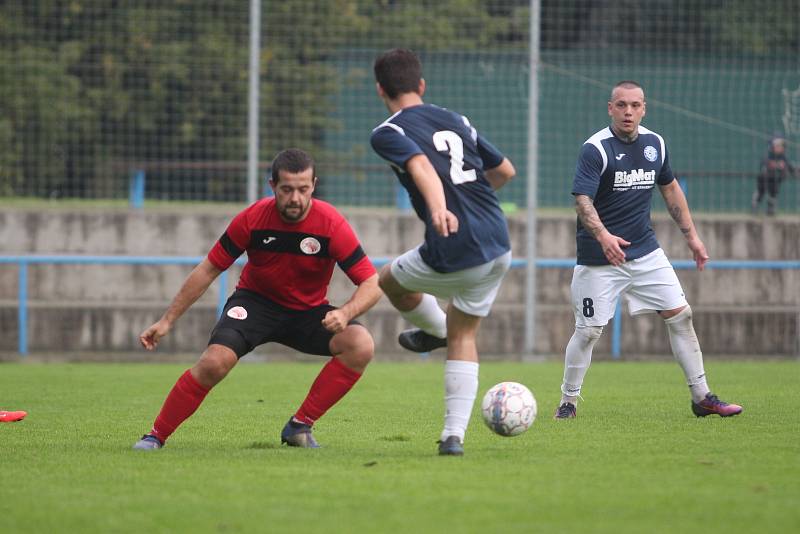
x: 393, y: 146
x: 490, y: 155
x: 587, y: 175
x: 665, y: 177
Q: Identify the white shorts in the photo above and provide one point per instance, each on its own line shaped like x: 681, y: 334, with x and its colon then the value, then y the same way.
x: 649, y: 284
x: 470, y: 290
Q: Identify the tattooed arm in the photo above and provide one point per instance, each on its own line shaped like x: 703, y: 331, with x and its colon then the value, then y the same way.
x: 612, y: 245
x: 678, y: 209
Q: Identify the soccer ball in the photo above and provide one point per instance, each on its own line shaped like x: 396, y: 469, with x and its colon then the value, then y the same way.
x: 508, y: 408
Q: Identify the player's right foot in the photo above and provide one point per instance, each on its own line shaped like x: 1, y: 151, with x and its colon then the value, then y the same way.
x: 567, y: 410
x: 297, y: 434
x: 451, y: 446
x: 712, y: 405
x: 417, y: 340
x: 11, y: 417
x: 148, y: 442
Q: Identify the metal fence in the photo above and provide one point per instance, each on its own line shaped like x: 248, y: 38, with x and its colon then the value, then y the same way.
x: 93, y: 93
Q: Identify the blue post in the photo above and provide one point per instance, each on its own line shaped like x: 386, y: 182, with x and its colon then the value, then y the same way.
x: 22, y: 311
x: 616, y: 332
x: 136, y: 189
x: 223, y: 291
x: 402, y: 198
x: 684, y: 186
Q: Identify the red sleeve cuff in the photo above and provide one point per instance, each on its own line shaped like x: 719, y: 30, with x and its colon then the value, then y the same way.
x: 219, y: 258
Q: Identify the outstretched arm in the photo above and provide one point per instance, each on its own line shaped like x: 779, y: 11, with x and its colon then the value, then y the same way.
x: 678, y: 209
x: 612, y: 245
x: 192, y: 289
x: 500, y: 175
x: 430, y: 187
x: 366, y: 295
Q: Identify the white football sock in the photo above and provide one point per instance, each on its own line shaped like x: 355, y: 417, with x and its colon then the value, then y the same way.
x: 577, y: 359
x: 686, y: 350
x: 460, y: 389
x: 428, y: 316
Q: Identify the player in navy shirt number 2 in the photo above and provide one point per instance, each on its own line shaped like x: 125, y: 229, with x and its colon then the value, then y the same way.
x: 293, y: 243
x: 450, y: 172
x: 618, y: 253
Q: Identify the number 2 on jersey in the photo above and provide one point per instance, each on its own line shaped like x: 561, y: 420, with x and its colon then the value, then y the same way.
x: 448, y: 141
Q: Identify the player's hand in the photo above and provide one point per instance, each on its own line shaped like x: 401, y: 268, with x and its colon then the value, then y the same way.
x: 335, y: 321
x: 698, y: 253
x: 444, y: 222
x: 151, y: 336
x: 612, y: 248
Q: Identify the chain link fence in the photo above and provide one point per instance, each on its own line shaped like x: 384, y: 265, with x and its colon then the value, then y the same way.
x: 93, y: 93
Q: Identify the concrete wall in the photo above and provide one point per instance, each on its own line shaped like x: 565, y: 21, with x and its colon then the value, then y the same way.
x: 100, y: 309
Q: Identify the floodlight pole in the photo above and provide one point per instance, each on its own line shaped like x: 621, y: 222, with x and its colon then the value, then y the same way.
x: 533, y: 170
x: 253, y: 97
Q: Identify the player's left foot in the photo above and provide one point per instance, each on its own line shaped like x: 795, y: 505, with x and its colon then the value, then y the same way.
x: 148, y: 442
x: 567, y: 410
x: 296, y: 434
x: 10, y: 417
x: 451, y: 446
x: 417, y: 340
x: 712, y: 405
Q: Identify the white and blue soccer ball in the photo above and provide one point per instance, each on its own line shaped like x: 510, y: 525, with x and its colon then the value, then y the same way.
x: 508, y: 408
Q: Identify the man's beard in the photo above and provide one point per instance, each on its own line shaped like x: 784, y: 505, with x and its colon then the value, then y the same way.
x: 296, y: 213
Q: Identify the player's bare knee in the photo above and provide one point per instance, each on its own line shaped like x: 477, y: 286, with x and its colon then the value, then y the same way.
x: 355, y: 347
x: 208, y: 374
x: 213, y: 366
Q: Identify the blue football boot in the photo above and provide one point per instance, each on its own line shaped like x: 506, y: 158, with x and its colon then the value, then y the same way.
x: 451, y: 446
x: 148, y: 442
x: 297, y: 434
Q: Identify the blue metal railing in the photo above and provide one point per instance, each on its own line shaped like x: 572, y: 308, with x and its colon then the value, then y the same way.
x: 23, y: 261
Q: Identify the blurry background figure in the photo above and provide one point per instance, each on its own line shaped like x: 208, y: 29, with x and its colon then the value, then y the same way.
x: 774, y: 168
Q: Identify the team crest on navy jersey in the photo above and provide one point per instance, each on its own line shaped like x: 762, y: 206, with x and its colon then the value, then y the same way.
x: 650, y: 153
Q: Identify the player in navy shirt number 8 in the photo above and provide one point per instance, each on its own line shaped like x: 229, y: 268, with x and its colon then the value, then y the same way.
x: 618, y: 253
x: 293, y: 243
x: 450, y: 172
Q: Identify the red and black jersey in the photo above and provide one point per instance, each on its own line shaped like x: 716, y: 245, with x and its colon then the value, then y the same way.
x: 291, y: 263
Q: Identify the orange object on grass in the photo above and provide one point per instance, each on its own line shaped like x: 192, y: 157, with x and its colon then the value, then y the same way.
x: 10, y: 417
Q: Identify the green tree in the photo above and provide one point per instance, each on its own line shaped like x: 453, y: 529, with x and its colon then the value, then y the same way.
x: 766, y: 27
x: 85, y: 84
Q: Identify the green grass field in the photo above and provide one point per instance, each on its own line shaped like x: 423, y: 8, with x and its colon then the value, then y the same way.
x: 635, y: 460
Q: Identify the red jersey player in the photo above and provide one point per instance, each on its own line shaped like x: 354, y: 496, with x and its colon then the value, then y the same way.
x: 292, y: 243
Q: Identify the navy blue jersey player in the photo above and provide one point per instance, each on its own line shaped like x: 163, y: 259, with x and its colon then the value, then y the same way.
x: 620, y: 176
x: 459, y: 154
x: 618, y: 253
x: 450, y: 172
